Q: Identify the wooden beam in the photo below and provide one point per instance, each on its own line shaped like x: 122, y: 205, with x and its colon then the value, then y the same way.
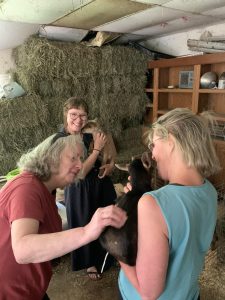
x: 204, y: 44
x: 188, y: 60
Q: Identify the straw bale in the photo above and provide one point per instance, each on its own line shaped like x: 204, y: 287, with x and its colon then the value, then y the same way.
x: 130, y: 137
x: 111, y: 79
x: 22, y: 112
x: 129, y: 144
x: 21, y: 140
x: 39, y: 58
x: 212, y: 279
x: 122, y: 60
x: 125, y: 155
x: 23, y: 124
x: 52, y: 59
x: 17, y: 143
x: 8, y: 162
x: 55, y: 108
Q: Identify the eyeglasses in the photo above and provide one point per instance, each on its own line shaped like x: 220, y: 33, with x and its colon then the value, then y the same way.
x: 152, y: 144
x: 75, y: 116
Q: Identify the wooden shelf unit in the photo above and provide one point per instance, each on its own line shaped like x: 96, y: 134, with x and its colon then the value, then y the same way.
x: 166, y: 73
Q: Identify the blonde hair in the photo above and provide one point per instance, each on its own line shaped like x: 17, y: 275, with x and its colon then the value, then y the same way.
x: 192, y: 136
x: 45, y: 157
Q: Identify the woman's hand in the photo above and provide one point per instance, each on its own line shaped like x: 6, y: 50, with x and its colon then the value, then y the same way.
x: 128, y: 187
x: 105, y: 216
x: 99, y: 140
x: 105, y: 170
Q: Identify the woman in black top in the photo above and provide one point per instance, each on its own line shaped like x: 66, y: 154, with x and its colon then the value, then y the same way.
x: 91, y: 192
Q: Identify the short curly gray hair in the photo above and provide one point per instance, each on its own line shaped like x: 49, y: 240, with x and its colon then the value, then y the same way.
x: 45, y: 157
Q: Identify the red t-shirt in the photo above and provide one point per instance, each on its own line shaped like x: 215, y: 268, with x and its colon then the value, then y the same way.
x: 25, y: 196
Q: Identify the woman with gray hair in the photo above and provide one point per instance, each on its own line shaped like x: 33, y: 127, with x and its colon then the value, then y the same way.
x: 30, y: 225
x: 176, y: 222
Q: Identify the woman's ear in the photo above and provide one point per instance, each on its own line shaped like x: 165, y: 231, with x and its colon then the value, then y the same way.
x: 146, y: 160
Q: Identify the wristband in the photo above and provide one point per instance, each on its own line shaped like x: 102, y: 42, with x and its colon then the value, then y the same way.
x: 97, y: 150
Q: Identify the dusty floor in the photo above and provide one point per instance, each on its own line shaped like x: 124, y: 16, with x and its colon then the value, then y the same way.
x: 68, y: 285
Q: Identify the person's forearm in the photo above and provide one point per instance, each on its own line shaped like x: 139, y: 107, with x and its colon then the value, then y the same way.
x: 35, y: 248
x: 130, y: 273
x: 89, y: 163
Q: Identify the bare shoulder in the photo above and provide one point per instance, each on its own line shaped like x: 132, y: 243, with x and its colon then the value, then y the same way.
x: 150, y: 212
x: 147, y: 201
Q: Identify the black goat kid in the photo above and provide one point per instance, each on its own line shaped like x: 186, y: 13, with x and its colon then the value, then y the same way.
x: 122, y: 243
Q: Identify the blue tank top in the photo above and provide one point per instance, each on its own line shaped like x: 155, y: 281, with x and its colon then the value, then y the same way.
x: 190, y: 213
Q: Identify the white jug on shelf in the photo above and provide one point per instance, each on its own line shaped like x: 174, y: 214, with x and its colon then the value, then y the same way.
x: 221, y: 84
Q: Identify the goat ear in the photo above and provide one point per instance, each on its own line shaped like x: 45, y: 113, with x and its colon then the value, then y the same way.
x: 146, y: 160
x: 122, y: 167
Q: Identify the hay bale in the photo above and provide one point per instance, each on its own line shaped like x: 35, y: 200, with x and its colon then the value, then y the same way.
x: 129, y: 144
x: 121, y: 60
x: 22, y: 112
x: 212, y: 279
x: 23, y: 124
x: 8, y: 162
x: 20, y: 141
x: 55, y: 108
x: 110, y: 78
x: 15, y: 144
x: 52, y: 59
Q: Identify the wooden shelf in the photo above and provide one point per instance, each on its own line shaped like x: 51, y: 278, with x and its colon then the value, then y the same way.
x: 188, y: 61
x: 166, y: 72
x: 175, y: 90
x: 211, y: 91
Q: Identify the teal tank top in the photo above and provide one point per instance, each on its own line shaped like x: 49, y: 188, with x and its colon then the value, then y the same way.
x: 190, y: 213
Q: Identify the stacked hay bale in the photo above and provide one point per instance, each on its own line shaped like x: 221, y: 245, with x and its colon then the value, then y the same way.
x: 23, y: 124
x: 111, y: 79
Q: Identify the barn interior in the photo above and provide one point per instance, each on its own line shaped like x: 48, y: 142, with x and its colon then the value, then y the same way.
x: 107, y: 52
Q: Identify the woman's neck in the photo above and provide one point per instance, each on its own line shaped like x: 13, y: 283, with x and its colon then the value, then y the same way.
x: 189, y: 177
x: 72, y: 132
x: 50, y: 187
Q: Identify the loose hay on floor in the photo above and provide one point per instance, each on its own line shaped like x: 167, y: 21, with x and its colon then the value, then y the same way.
x: 212, y: 279
x: 68, y: 285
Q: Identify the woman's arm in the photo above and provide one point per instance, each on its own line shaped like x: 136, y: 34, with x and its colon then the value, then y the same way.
x: 149, y: 274
x: 99, y: 142
x: 109, y: 156
x: 30, y: 247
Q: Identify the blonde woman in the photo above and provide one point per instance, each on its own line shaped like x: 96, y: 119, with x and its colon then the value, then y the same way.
x: 176, y: 222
